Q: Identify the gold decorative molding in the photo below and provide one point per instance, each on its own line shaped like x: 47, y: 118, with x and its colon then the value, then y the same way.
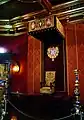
x: 71, y: 12
x: 39, y: 24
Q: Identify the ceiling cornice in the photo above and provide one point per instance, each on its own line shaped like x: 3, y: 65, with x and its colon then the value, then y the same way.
x: 71, y: 12
x: 69, y: 9
x: 14, y: 35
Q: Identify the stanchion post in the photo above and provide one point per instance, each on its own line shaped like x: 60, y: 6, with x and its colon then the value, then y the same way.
x: 4, y: 101
x: 77, y: 92
x: 77, y: 105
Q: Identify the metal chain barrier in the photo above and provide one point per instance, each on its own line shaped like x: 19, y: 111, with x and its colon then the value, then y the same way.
x: 38, y: 118
x: 77, y: 107
x: 65, y: 117
x: 23, y: 112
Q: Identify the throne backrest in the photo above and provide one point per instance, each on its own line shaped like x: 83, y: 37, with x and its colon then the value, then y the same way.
x: 49, y: 77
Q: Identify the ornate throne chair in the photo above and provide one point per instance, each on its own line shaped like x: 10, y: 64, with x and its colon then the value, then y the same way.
x: 48, y: 87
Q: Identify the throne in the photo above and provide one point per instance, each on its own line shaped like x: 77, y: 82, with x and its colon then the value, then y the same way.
x: 48, y: 87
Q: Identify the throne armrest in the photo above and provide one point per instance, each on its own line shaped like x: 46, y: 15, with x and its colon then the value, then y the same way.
x: 42, y: 84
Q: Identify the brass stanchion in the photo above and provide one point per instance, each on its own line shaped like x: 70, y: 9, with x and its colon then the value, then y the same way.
x: 76, y: 92
x: 4, y: 100
x: 77, y: 105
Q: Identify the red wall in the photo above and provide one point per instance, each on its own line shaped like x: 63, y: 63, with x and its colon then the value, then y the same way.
x: 27, y: 51
x: 75, y: 55
x: 34, y: 65
x: 19, y: 80
x: 17, y: 45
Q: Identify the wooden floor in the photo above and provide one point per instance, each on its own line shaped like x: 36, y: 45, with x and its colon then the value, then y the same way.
x: 40, y: 107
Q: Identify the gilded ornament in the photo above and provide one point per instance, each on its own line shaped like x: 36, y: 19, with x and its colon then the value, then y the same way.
x: 52, y: 52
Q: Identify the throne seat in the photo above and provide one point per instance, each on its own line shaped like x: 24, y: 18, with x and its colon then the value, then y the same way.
x: 49, y: 86
x: 46, y: 90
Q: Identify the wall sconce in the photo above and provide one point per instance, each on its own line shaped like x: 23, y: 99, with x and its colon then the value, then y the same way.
x: 14, y: 118
x: 16, y: 68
